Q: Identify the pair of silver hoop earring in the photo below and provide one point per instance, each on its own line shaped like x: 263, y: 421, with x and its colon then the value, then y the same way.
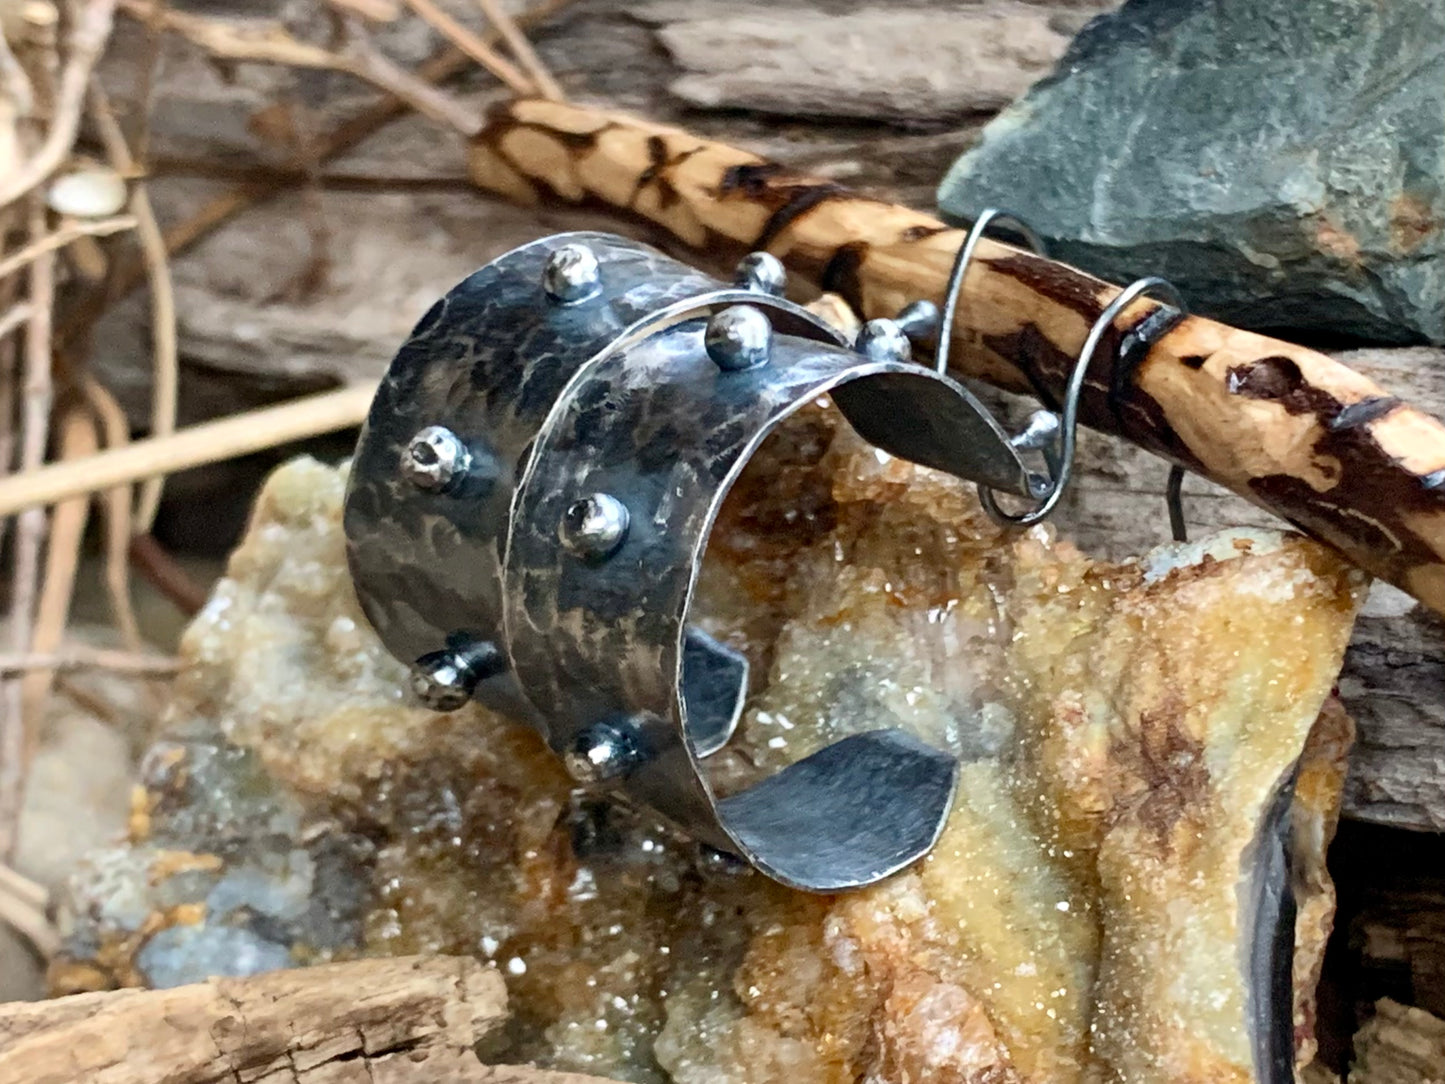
x: 1046, y: 427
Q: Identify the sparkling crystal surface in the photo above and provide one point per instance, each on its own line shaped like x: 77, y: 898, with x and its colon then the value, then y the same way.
x: 1122, y: 729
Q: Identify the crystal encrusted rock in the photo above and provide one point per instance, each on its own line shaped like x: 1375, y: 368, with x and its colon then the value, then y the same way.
x: 1125, y: 731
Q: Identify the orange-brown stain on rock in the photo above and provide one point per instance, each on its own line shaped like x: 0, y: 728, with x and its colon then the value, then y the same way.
x: 1170, y: 763
x: 1335, y: 241
x: 1411, y: 222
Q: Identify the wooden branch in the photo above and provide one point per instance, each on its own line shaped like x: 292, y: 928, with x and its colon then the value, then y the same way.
x: 119, y: 519
x: 474, y: 46
x: 1286, y: 427
x: 410, y: 1019
x: 77, y: 658
x: 164, y: 334
x: 13, y: 319
x: 39, y: 397
x: 22, y: 888
x: 503, y: 23
x: 24, y: 908
x: 195, y: 446
x: 31, y: 924
x: 78, y: 440
x: 275, y: 46
x: 162, y: 572
x: 69, y: 232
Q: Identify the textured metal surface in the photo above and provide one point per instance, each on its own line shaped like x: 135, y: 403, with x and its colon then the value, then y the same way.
x: 488, y: 361
x: 602, y: 435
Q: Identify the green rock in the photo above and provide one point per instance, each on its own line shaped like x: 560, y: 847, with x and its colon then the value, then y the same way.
x: 1281, y: 161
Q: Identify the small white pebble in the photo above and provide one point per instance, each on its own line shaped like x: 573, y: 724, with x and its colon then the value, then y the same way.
x: 91, y: 192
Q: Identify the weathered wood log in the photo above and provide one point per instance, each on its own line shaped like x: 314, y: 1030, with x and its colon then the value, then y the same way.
x: 1400, y: 1045
x: 527, y: 1074
x: 1390, y: 926
x: 409, y: 1019
x: 1286, y: 427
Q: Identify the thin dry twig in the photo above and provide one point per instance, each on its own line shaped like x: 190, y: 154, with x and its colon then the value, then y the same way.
x: 165, y: 388
x: 474, y: 46
x: 20, y: 887
x: 62, y: 560
x: 367, y: 62
x: 164, y: 573
x: 378, y: 11
x: 30, y: 530
x: 88, y: 34
x: 142, y: 98
x: 69, y: 232
x: 81, y: 658
x: 14, y: 318
x: 15, y: 81
x: 31, y: 923
x: 274, y: 45
x: 521, y: 48
x: 193, y: 446
x: 445, y: 64
x: 115, y: 433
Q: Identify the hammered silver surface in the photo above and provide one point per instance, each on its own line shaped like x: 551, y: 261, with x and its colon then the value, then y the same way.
x: 617, y: 394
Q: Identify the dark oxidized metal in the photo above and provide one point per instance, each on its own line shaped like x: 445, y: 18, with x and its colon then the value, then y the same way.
x: 532, y: 496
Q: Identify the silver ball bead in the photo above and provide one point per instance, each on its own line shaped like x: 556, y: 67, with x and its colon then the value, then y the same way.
x: 738, y: 338
x: 918, y: 320
x: 572, y: 275
x: 761, y: 272
x: 594, y: 527
x: 601, y: 753
x: 435, y: 458
x: 443, y: 681
x: 883, y: 340
x: 1040, y: 431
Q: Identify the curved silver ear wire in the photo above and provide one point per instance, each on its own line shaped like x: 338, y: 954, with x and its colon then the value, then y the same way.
x: 1174, y: 498
x: 1069, y: 427
x: 981, y: 224
x: 1044, y: 425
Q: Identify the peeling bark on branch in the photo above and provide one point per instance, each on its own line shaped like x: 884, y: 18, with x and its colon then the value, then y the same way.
x: 1287, y: 428
x: 410, y: 1019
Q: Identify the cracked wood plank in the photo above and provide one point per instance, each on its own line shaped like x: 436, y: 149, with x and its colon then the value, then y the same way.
x: 397, y: 1021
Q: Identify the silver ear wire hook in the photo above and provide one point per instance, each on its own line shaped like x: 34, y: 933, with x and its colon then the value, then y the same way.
x: 1069, y: 427
x: 961, y: 262
x: 1046, y: 432
x: 1174, y: 498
